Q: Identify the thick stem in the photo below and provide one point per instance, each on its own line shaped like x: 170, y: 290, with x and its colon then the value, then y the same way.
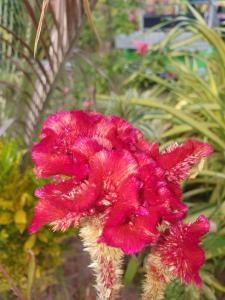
x: 156, y: 279
x: 106, y: 262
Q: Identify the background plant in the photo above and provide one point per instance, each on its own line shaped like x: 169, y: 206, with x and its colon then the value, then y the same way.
x: 17, y: 185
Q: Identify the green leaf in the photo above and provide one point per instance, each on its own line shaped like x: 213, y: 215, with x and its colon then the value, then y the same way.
x: 183, y: 117
x: 31, y: 274
x: 20, y: 217
x: 131, y: 270
x: 5, y: 218
x: 176, y: 130
x: 30, y: 242
x: 208, y: 292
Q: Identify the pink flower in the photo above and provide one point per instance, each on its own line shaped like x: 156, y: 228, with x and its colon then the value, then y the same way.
x: 141, y: 47
x: 66, y: 91
x: 103, y: 168
x: 87, y: 105
x: 132, y: 15
x: 178, y: 160
x: 180, y: 251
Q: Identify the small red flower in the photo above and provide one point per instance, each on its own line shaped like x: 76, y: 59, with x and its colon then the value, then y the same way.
x: 141, y: 47
x: 180, y: 251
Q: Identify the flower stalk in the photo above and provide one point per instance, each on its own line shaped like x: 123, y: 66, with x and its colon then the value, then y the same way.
x: 106, y: 261
x: 156, y: 279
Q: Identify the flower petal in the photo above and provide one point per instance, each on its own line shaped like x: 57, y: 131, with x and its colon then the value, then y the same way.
x: 132, y: 235
x: 53, y: 154
x: 48, y: 161
x: 70, y: 194
x: 113, y: 167
x: 46, y: 212
x: 85, y: 147
x: 158, y: 192
x: 178, y: 160
x: 180, y: 251
x: 69, y: 124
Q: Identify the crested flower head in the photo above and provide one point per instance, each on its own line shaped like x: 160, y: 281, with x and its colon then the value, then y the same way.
x: 102, y: 167
x: 180, y: 251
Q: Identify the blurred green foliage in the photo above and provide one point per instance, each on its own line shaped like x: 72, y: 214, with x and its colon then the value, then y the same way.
x: 16, y: 208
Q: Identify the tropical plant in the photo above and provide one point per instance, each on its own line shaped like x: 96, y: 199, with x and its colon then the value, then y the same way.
x: 60, y: 26
x: 25, y: 260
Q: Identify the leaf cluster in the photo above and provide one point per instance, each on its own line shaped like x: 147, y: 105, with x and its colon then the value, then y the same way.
x: 16, y: 208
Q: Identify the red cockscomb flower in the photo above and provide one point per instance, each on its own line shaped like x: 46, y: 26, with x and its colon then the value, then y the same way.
x: 114, y: 175
x: 180, y: 251
x: 123, y: 193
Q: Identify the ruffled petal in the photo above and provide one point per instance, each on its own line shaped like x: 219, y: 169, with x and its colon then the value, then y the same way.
x: 178, y: 161
x: 50, y: 161
x: 156, y: 191
x: 125, y: 135
x: 85, y: 147
x: 46, y: 213
x: 199, y: 228
x: 55, y: 153
x: 179, y: 249
x: 56, y: 123
x: 69, y: 124
x: 112, y: 167
x: 131, y: 235
x: 70, y: 194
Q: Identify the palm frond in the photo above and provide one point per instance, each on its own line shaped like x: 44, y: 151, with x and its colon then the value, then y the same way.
x: 57, y: 32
